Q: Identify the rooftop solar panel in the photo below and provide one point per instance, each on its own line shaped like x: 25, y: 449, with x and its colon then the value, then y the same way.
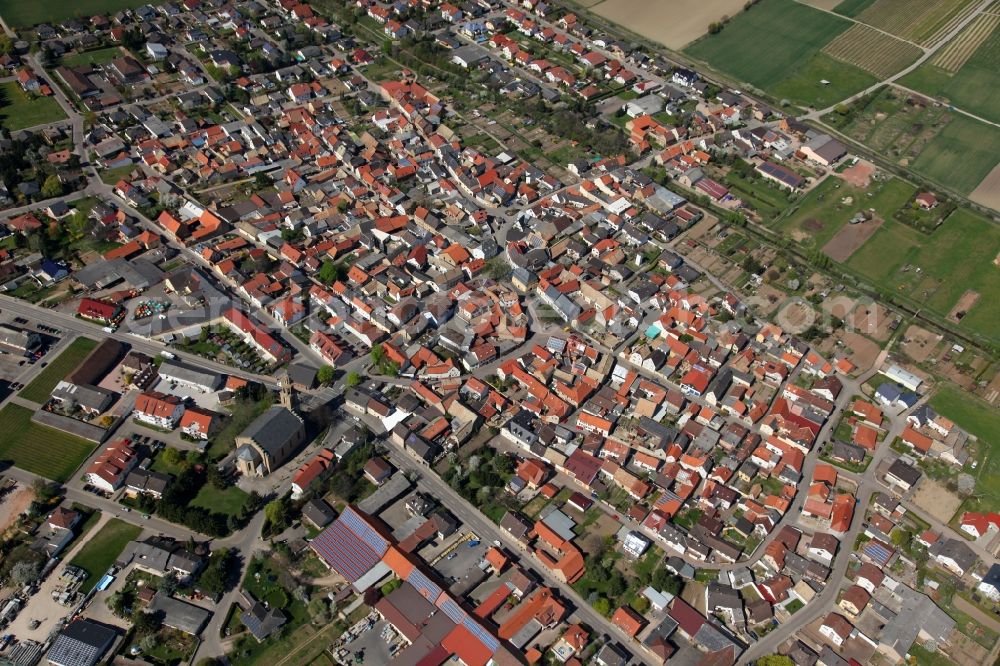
x: 453, y: 611
x: 344, y: 551
x: 424, y: 585
x: 366, y: 532
x: 484, y: 637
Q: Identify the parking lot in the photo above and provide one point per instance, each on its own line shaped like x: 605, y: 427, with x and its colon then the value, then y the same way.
x: 460, y: 564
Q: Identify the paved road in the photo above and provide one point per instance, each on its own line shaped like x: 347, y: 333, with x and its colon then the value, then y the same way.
x: 247, y: 542
x: 69, y: 323
x: 476, y: 521
x: 927, y: 54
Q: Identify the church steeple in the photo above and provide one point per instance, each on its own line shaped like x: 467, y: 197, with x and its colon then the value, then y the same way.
x: 287, y: 393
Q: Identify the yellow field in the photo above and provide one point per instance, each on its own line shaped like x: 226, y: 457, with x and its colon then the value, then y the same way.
x: 871, y: 50
x: 955, y: 53
x: 673, y: 23
x: 924, y: 22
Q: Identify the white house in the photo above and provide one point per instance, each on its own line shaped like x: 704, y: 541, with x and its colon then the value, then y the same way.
x: 158, y: 409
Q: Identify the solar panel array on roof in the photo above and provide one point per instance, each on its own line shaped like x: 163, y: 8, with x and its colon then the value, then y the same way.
x: 453, y: 610
x: 350, y: 546
x: 365, y: 531
x: 667, y: 496
x: 878, y: 552
x: 252, y: 623
x: 424, y: 585
x: 485, y: 637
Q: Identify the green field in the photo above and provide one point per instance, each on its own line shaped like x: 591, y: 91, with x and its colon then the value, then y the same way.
x: 40, y: 389
x: 40, y: 450
x: 96, y: 57
x: 821, y: 214
x: 975, y: 87
x: 23, y: 13
x: 971, y: 414
x: 103, y: 549
x: 776, y: 45
x: 228, y: 501
x: 804, y: 85
x: 853, y: 7
x: 961, y: 154
x: 983, y: 421
x: 19, y: 110
x: 956, y: 257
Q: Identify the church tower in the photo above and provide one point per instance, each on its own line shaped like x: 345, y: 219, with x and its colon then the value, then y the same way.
x: 287, y: 393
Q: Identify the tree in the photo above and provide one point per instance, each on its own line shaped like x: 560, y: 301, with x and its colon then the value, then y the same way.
x: 276, y: 514
x: 148, y: 643
x: 24, y: 573
x: 147, y: 623
x: 602, y: 606
x: 172, y: 456
x: 325, y: 374
x: 45, y: 491
x: 353, y: 379
x: 215, y: 578
x: 775, y: 660
x: 262, y: 181
x: 52, y: 187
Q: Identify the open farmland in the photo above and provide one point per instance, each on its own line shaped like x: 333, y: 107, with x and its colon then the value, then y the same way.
x: 987, y: 193
x: 974, y: 87
x: 935, y: 270
x: 920, y: 21
x: 37, y: 449
x: 673, y: 24
x: 778, y: 43
x: 852, y: 7
x: 23, y: 13
x: 950, y: 148
x: 40, y: 389
x: 956, y: 52
x: 872, y: 51
x: 962, y: 154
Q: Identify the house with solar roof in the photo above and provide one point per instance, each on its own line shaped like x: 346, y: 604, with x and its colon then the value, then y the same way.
x: 434, y: 623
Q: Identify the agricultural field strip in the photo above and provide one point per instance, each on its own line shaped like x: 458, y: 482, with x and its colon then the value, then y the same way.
x: 958, y: 51
x: 872, y: 50
x: 912, y: 19
x: 935, y: 39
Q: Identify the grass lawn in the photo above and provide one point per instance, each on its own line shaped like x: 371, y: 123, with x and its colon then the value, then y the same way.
x: 228, y: 501
x: 103, y: 549
x: 961, y: 154
x: 38, y: 449
x: 19, y: 110
x: 40, y: 389
x: 925, y: 657
x: 820, y: 215
x: 975, y: 87
x: 983, y: 421
x: 958, y: 256
x: 241, y: 414
x: 775, y: 46
x: 22, y: 13
x: 112, y: 176
x: 96, y: 57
